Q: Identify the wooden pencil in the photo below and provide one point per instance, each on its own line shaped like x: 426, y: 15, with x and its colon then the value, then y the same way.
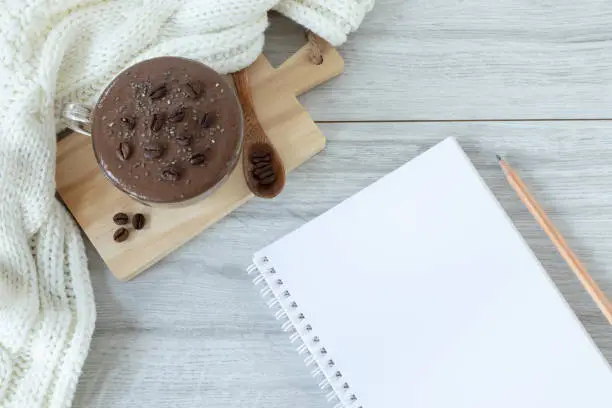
x: 555, y: 236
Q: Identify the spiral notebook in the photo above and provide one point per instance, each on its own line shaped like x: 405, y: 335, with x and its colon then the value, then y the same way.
x: 419, y: 292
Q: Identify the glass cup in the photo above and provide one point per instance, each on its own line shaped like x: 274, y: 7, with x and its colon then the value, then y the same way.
x: 202, y: 148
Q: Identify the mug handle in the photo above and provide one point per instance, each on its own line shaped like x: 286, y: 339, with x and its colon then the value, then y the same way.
x: 77, y: 117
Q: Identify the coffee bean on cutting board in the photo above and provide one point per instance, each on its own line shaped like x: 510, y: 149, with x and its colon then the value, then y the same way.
x: 121, y: 218
x: 138, y: 222
x: 121, y: 235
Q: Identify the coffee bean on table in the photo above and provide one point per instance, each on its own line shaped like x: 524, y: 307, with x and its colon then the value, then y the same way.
x: 177, y: 116
x: 197, y: 158
x: 158, y: 122
x: 129, y: 122
x: 170, y: 174
x: 121, y: 218
x: 158, y: 92
x: 153, y: 150
x: 124, y: 151
x: 121, y: 235
x: 138, y: 222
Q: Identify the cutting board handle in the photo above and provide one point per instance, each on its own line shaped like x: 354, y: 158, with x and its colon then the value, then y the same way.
x: 313, y: 64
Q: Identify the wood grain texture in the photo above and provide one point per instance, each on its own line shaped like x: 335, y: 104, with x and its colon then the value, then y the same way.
x: 192, y: 331
x: 92, y: 200
x: 573, y: 262
x: 470, y: 59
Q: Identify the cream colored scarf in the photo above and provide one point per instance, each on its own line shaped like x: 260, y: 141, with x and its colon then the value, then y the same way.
x: 53, y: 51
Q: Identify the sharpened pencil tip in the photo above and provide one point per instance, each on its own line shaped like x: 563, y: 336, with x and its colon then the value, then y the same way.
x: 499, y: 158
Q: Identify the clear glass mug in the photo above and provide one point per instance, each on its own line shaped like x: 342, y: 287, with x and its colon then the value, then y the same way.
x: 80, y: 118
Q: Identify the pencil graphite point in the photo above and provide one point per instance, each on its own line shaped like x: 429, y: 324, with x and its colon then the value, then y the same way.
x: 499, y: 158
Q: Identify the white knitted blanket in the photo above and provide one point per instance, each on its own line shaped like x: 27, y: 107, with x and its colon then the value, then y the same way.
x: 55, y: 51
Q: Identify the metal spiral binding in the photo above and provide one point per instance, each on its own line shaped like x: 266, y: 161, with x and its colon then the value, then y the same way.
x: 309, y: 345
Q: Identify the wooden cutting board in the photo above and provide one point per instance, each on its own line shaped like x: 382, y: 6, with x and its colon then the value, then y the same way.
x: 93, y: 201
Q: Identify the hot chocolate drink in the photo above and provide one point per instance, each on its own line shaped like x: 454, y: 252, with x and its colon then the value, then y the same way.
x: 167, y: 130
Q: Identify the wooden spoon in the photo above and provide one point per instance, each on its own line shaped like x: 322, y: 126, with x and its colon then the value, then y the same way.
x: 263, y: 168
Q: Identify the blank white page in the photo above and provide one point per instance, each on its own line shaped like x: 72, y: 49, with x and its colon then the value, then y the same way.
x: 426, y: 296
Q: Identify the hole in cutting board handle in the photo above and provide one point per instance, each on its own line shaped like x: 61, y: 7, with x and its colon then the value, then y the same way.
x: 284, y: 38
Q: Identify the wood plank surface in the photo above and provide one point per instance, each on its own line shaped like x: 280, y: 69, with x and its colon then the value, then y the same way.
x: 192, y: 331
x: 469, y: 59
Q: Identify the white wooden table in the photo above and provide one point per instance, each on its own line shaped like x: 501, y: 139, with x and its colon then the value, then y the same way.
x: 531, y: 80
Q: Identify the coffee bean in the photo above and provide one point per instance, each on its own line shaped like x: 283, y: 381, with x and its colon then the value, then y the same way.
x: 177, y: 116
x: 197, y: 158
x: 153, y: 151
x: 259, y: 155
x: 194, y: 89
x: 138, y: 222
x: 158, y: 121
x: 268, y: 180
x: 184, y: 139
x: 159, y: 92
x: 207, y: 120
x: 129, y: 122
x: 170, y: 174
x: 261, y: 160
x: 121, y: 218
x: 260, y: 170
x: 121, y: 235
x: 261, y: 164
x: 264, y: 175
x: 124, y: 151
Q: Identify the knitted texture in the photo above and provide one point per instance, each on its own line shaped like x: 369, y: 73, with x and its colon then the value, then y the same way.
x: 333, y: 20
x: 56, y: 51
